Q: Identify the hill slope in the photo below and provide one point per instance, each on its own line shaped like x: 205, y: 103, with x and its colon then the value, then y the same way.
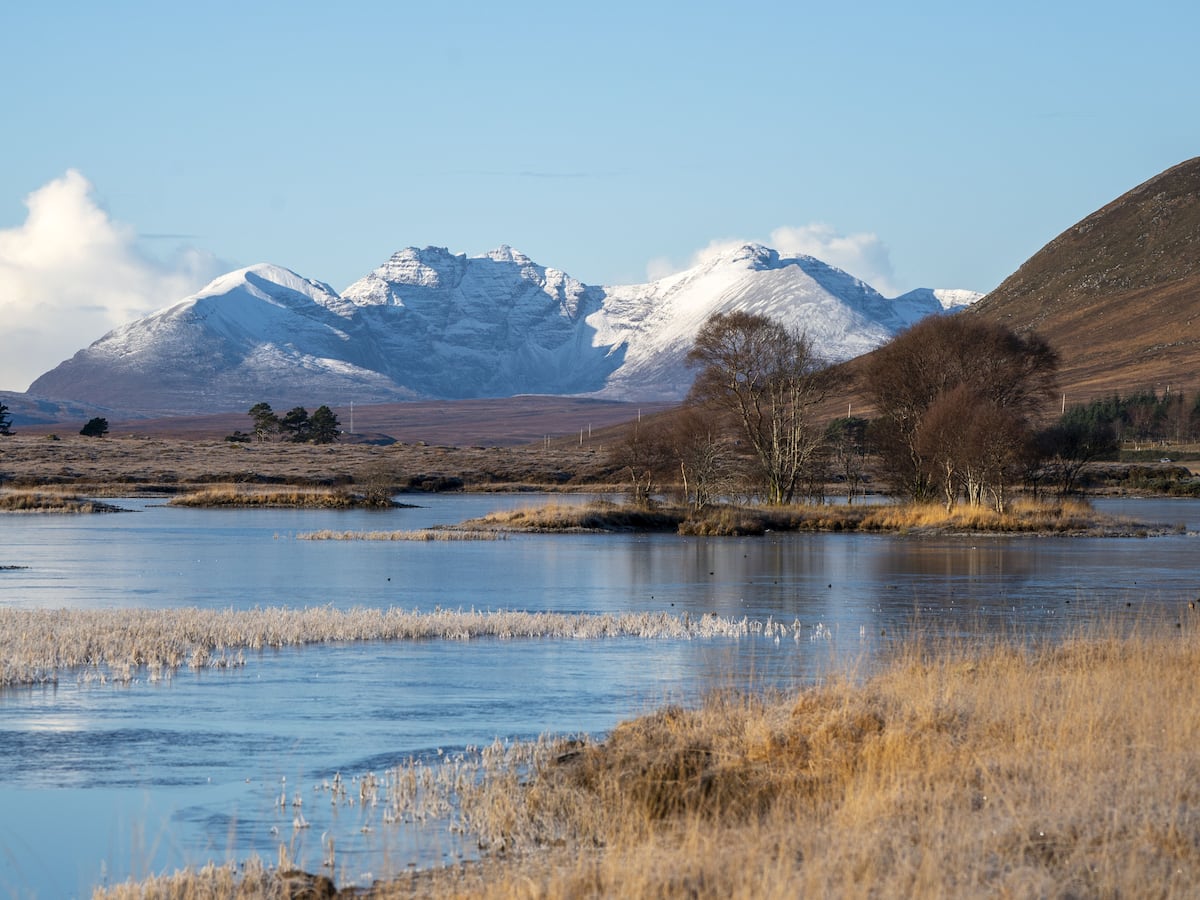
x: 1118, y: 294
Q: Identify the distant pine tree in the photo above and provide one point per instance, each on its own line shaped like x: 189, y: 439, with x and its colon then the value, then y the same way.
x: 95, y: 427
x: 324, y: 427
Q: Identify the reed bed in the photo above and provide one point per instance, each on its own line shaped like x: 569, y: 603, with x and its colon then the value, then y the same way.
x: 50, y: 501
x: 240, y: 497
x: 1022, y: 516
x: 124, y: 644
x: 598, y: 515
x: 1058, y: 770
x: 423, y: 534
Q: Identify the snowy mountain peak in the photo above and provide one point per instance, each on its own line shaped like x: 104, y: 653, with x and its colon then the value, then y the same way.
x: 271, y: 284
x: 505, y: 253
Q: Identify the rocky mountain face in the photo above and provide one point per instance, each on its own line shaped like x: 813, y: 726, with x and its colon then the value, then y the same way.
x: 432, y: 324
x: 1118, y: 293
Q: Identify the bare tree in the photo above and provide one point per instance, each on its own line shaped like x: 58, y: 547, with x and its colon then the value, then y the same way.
x: 645, y: 455
x: 847, y: 440
x: 994, y: 369
x: 768, y: 379
x: 703, y: 453
x: 972, y: 446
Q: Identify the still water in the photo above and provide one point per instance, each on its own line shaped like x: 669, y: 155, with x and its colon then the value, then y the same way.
x: 101, y: 781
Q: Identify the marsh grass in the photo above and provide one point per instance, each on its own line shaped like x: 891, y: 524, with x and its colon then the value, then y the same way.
x: 36, y: 645
x: 424, y: 534
x: 1028, y: 516
x: 1060, y: 770
x: 239, y: 496
x: 597, y: 515
x: 50, y: 501
x: 1022, y: 515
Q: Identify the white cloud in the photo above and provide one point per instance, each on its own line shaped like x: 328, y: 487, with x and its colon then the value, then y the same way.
x: 863, y: 255
x: 70, y: 274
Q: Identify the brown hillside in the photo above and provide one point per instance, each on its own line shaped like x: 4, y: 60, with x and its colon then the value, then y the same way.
x: 495, y: 422
x: 1118, y: 294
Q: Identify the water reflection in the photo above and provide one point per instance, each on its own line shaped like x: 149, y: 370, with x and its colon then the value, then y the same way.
x: 159, y: 775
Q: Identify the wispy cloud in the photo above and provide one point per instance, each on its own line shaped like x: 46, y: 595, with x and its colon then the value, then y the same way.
x: 69, y: 274
x: 864, y: 255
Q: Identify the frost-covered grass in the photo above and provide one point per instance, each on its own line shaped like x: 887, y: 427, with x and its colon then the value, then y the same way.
x: 124, y: 644
x: 424, y: 534
x: 1060, y: 770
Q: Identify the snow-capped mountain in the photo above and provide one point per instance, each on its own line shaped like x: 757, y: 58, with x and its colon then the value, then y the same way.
x: 262, y: 331
x: 657, y: 322
x: 487, y: 326
x: 430, y: 323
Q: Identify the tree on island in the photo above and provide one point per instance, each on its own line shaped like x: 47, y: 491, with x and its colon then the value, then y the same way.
x: 768, y: 379
x: 5, y: 420
x: 956, y: 396
x: 95, y: 427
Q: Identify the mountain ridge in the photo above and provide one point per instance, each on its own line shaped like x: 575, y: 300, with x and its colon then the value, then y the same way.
x: 433, y: 324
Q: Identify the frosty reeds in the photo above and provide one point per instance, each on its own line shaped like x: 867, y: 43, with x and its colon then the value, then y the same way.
x: 423, y: 534
x: 36, y: 645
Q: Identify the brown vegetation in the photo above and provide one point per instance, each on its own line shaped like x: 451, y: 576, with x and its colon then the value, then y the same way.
x: 1021, y: 516
x: 1063, y: 770
x: 599, y: 515
x: 1117, y: 293
x: 243, y: 497
x: 27, y: 501
x: 124, y: 465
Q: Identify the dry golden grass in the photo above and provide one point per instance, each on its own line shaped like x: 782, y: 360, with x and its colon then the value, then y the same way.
x: 50, y: 501
x: 1066, y: 770
x: 1023, y: 515
x: 599, y: 515
x: 238, y: 496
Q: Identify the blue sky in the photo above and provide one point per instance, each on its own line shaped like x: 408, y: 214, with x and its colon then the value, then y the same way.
x: 147, y: 147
